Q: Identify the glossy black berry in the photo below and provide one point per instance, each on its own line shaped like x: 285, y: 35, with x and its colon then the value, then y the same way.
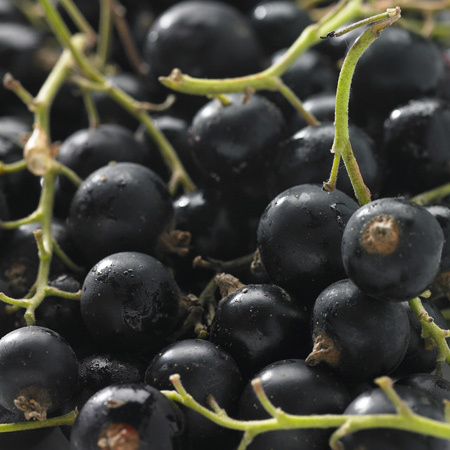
x: 119, y: 207
x: 205, y: 370
x: 88, y: 149
x: 306, y: 158
x: 351, y: 329
x: 377, y: 402
x: 278, y: 24
x: 38, y: 371
x: 296, y: 388
x: 234, y: 143
x: 100, y: 371
x: 260, y: 324
x: 417, y: 146
x: 128, y: 416
x: 206, y: 39
x: 129, y: 299
x: 299, y: 236
x: 398, y: 67
x: 391, y: 249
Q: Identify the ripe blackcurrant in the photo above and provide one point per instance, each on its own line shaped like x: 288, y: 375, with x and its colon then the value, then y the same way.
x: 391, y: 249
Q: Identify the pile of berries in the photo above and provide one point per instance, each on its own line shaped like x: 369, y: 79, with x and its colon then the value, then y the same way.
x: 179, y: 268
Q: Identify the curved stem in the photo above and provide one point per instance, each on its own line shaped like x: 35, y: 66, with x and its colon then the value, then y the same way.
x: 266, y: 79
x: 179, y: 174
x: 341, y: 144
x: 430, y: 329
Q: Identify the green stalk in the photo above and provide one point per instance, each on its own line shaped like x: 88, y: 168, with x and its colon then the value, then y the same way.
x: 67, y: 419
x: 341, y: 144
x: 405, y: 419
x: 179, y: 174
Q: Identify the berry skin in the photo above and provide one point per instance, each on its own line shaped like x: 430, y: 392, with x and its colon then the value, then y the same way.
x: 395, y: 69
x: 234, y: 143
x: 299, y: 237
x: 305, y: 158
x: 297, y: 389
x: 391, y: 249
x: 119, y: 207
x: 131, y: 417
x: 205, y: 369
x: 434, y: 386
x: 191, y: 34
x: 259, y: 324
x: 416, y: 143
x: 38, y: 371
x: 376, y: 402
x: 129, y: 299
x: 351, y: 329
x: 278, y: 23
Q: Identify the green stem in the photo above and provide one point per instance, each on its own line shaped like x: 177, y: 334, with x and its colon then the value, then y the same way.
x: 179, y: 174
x: 67, y: 419
x: 405, y: 420
x: 13, y: 167
x: 433, y: 196
x: 290, y: 96
x: 63, y: 35
x: 79, y: 20
x: 430, y: 329
x: 266, y: 79
x: 60, y: 72
x: 69, y: 173
x: 55, y: 292
x: 341, y: 144
x: 104, y: 33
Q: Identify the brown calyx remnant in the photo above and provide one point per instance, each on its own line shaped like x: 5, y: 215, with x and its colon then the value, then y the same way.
x: 119, y: 436
x: 227, y: 284
x: 381, y: 235
x: 34, y: 402
x: 323, y: 350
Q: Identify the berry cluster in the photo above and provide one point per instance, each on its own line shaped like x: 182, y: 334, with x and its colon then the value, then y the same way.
x: 225, y: 225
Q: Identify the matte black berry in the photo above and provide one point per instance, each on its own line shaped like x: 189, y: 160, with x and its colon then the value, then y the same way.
x: 38, y: 371
x: 297, y: 389
x: 299, y: 236
x: 352, y: 330
x: 205, y: 370
x: 129, y: 299
x: 119, y: 207
x: 391, y: 249
x: 128, y: 416
x: 260, y: 324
